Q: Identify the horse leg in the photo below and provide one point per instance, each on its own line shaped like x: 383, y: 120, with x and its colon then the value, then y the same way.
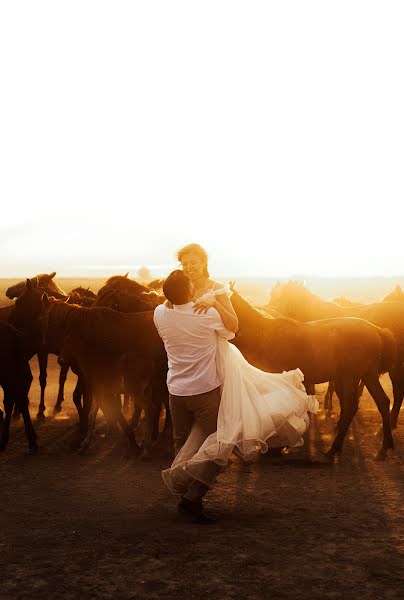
x: 84, y: 389
x: 136, y: 415
x: 328, y: 397
x: 168, y: 424
x: 90, y: 410
x: 64, y: 369
x: 29, y: 428
x: 126, y: 403
x: 90, y: 429
x: 347, y: 390
x: 310, y: 388
x: 8, y: 407
x: 82, y: 414
x: 152, y: 415
x: 126, y: 427
x: 43, y: 363
x: 25, y: 380
x: 383, y: 404
x: 397, y: 379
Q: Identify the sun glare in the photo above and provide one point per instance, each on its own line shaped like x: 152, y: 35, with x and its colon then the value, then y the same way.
x: 272, y: 135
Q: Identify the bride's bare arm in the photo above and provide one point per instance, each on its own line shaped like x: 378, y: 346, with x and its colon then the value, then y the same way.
x: 225, y: 309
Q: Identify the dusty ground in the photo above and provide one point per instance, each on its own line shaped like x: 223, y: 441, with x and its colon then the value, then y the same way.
x: 103, y: 525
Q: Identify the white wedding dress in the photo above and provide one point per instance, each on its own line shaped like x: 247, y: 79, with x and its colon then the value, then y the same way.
x: 258, y: 410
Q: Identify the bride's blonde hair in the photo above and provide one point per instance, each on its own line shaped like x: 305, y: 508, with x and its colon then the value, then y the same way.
x: 199, y: 251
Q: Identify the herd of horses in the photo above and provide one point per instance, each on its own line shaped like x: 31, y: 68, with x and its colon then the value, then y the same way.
x: 110, y: 342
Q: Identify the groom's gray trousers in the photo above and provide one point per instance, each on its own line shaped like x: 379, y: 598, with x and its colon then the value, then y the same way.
x: 194, y: 419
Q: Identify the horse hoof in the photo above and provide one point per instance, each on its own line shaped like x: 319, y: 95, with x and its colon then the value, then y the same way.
x: 3, y: 446
x: 57, y: 409
x: 40, y: 416
x: 329, y: 456
x: 82, y: 449
x: 381, y: 456
x: 16, y: 416
x: 146, y: 456
x: 33, y: 450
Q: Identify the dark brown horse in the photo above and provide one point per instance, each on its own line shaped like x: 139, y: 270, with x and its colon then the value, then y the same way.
x: 15, y: 379
x: 128, y: 296
x: 79, y: 295
x: 397, y: 295
x: 82, y: 297
x: 44, y: 281
x: 294, y: 300
x: 94, y: 340
x: 346, y: 350
x: 48, y: 285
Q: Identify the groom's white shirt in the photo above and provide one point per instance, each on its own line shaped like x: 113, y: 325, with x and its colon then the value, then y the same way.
x: 190, y: 342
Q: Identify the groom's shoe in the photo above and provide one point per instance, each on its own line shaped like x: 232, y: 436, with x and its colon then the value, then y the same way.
x: 194, y: 510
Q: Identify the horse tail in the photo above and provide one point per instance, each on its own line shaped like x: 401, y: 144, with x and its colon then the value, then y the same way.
x: 389, y: 350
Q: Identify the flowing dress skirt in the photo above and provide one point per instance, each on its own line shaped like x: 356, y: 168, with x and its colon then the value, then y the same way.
x: 258, y: 410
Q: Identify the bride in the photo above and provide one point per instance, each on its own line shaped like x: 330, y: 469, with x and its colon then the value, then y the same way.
x: 257, y: 410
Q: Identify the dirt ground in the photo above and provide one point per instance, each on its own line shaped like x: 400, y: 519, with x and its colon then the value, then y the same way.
x: 104, y: 526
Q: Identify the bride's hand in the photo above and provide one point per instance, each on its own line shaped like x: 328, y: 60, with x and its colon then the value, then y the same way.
x: 204, y: 305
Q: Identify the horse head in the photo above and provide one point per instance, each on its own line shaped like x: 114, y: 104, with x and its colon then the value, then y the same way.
x: 43, y: 281
x: 292, y: 299
x: 28, y: 306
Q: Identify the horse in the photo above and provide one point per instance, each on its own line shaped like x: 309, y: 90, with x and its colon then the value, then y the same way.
x: 43, y: 281
x: 93, y: 341
x: 82, y: 297
x: 15, y: 379
x: 397, y: 295
x: 294, y: 300
x: 46, y: 283
x: 346, y: 350
x: 119, y: 294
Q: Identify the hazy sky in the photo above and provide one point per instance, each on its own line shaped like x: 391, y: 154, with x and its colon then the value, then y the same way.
x: 270, y: 132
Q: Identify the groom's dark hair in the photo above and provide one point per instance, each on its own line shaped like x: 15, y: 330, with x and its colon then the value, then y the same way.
x: 177, y: 287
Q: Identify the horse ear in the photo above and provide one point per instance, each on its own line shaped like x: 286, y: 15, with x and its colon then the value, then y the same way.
x: 29, y: 285
x: 52, y: 275
x: 32, y: 283
x: 45, y: 299
x: 232, y: 285
x: 88, y: 289
x: 126, y: 274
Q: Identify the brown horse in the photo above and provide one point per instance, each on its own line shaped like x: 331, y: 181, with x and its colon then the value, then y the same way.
x: 48, y: 285
x: 82, y: 297
x: 44, y: 281
x: 15, y: 379
x: 397, y: 295
x: 294, y: 300
x: 345, y: 350
x: 94, y: 340
x: 128, y: 296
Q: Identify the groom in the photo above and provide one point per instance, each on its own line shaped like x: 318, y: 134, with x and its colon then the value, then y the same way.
x: 192, y: 380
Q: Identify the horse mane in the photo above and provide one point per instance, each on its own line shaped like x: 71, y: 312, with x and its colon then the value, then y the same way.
x: 122, y: 283
x: 48, y: 285
x: 255, y: 314
x: 95, y: 324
